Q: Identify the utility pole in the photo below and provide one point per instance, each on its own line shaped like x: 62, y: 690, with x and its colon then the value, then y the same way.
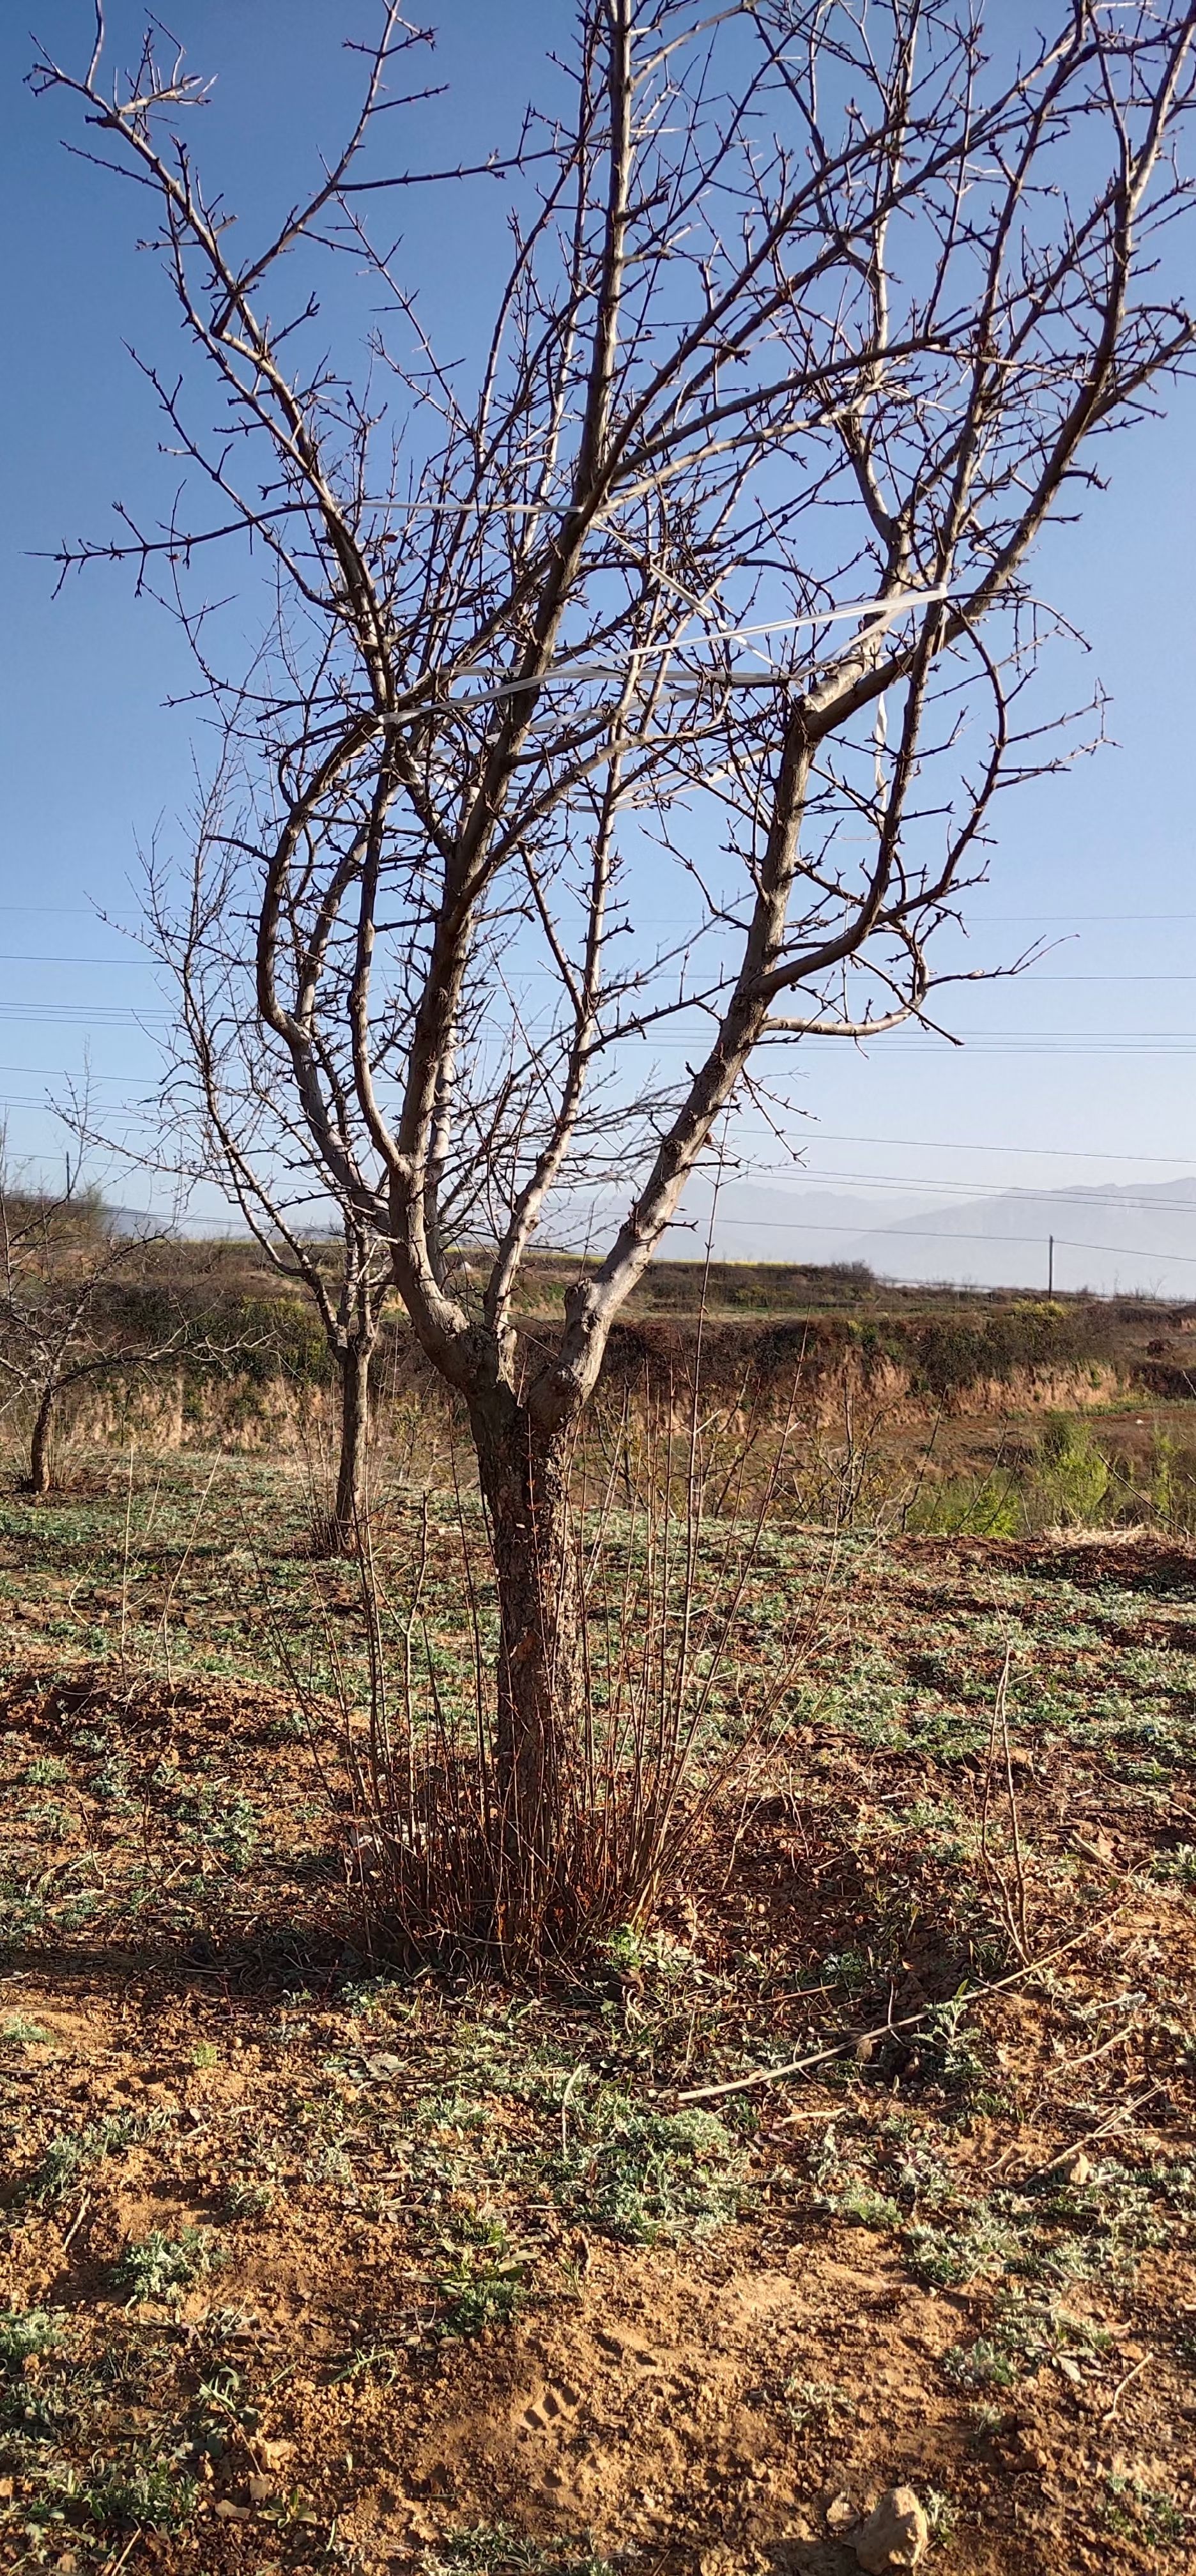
x: 1050, y: 1265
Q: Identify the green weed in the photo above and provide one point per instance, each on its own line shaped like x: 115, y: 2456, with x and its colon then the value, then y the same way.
x: 241, y: 2199
x: 160, y: 2267
x: 640, y: 2175
x: 493, y: 2549
x: 980, y: 2247
x: 987, y: 2363
x: 947, y: 2051
x: 156, y: 2497
x: 1178, y: 1866
x: 111, y: 1784
x: 1118, y: 2213
x: 1142, y: 2513
x: 861, y: 2206
x: 989, y: 1506
x: 815, y: 2401
x: 225, y: 1825
x: 292, y: 1729
x: 72, y: 2152
x: 1073, y: 1477
x: 222, y: 2413
x: 482, y: 2284
x: 1023, y: 2335
x: 384, y: 2362
x: 942, y: 2514
x: 24, y: 2332
x: 842, y: 2190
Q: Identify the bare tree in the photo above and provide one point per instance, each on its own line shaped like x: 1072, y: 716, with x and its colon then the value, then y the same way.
x: 230, y: 1122
x: 61, y: 1259
x: 703, y: 593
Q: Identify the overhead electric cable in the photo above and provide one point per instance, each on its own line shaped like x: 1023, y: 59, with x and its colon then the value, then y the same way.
x: 968, y: 1190
x: 949, y: 1145
x: 928, y: 1234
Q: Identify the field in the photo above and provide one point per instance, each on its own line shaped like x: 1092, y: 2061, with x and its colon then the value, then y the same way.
x: 313, y: 2259
x: 938, y: 1409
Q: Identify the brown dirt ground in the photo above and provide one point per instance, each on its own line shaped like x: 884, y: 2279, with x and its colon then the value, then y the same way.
x: 696, y: 2401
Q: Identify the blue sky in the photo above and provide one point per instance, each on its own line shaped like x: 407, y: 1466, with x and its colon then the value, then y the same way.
x: 1091, y: 1055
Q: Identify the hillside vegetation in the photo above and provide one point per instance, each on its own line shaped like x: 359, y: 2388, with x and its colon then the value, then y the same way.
x: 945, y: 1407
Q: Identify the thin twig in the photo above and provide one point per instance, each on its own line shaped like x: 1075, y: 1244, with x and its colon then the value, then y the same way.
x: 124, y: 1574
x: 565, y: 2105
x: 1124, y: 2111
x: 114, y: 2565
x: 1102, y: 1859
x: 909, y: 2021
x: 1068, y: 2065
x: 77, y: 2221
x: 1011, y: 1900
x: 1122, y: 2385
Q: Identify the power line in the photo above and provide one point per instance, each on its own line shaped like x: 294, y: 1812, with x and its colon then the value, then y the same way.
x: 967, y: 1190
x: 927, y: 1234
x: 131, y: 1115
x: 922, y: 1234
x: 45, y: 957
x: 658, y: 920
x: 1001, y: 1190
x: 1033, y: 978
x: 949, y: 1145
x: 768, y: 1171
x: 984, y: 1042
x: 25, y: 957
x: 1056, y: 1047
x: 881, y: 613
x: 1081, y: 918
x: 89, y: 1014
x: 771, y: 1171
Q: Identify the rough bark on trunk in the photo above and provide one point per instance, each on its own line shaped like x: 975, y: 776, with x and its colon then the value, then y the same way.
x: 524, y: 1479
x: 40, y: 1448
x: 339, y: 1533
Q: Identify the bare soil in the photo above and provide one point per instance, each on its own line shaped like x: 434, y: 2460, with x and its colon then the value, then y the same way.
x: 311, y: 2260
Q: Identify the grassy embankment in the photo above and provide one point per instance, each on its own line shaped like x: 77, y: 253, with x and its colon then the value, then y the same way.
x: 932, y: 1409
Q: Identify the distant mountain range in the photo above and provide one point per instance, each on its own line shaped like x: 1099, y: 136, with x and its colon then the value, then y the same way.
x: 1136, y: 1239
x: 1140, y: 1238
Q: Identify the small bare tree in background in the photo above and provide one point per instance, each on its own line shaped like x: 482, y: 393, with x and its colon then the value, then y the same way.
x: 62, y: 1257
x: 228, y: 1121
x: 634, y: 692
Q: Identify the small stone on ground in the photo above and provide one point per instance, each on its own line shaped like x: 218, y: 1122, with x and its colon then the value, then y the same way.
x: 895, y: 2534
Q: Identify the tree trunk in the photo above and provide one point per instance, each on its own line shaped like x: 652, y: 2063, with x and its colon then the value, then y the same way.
x: 524, y: 1479
x: 40, y: 1452
x: 338, y: 1535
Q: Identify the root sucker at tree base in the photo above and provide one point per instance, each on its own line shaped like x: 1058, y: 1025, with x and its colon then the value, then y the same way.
x: 522, y: 1811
